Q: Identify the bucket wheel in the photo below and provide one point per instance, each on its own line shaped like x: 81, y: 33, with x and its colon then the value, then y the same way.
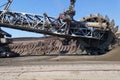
x: 106, y: 33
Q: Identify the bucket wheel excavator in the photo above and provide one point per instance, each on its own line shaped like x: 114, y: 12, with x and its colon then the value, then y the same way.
x: 93, y: 34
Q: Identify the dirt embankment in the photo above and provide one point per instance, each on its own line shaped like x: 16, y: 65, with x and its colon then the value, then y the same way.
x: 113, y: 55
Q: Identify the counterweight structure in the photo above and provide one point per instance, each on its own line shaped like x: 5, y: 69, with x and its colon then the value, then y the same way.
x: 93, y: 33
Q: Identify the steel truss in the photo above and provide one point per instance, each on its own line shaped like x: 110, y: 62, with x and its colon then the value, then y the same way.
x: 48, y: 25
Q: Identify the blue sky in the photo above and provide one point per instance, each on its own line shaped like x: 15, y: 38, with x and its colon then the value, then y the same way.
x: 54, y: 7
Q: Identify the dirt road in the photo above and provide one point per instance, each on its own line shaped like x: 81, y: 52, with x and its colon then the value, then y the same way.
x: 84, y: 70
x: 104, y: 67
x: 113, y: 55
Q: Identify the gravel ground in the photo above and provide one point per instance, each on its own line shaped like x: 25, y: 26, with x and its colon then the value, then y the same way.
x: 113, y: 55
x: 63, y: 71
x: 104, y: 67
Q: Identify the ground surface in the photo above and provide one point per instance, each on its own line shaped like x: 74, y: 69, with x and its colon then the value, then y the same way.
x: 75, y: 70
x: 104, y: 67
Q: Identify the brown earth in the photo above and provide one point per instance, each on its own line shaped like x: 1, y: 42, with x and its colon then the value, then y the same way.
x: 84, y: 67
x: 113, y: 55
x: 53, y: 45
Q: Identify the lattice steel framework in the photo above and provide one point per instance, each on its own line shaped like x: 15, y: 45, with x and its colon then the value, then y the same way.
x: 93, y: 26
